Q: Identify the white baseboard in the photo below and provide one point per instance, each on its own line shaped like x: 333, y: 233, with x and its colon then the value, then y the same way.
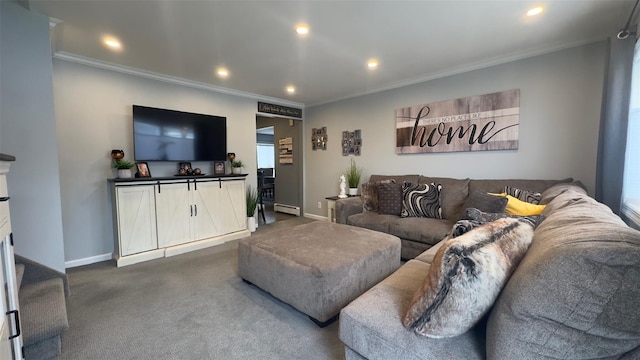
x: 316, y: 217
x: 87, y: 261
x: 287, y: 209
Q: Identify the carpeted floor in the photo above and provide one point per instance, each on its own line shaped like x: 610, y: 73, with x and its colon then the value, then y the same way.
x: 191, y: 306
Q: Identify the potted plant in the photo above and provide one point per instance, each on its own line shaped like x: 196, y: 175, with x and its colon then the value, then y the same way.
x: 236, y: 166
x: 253, y: 198
x: 353, y: 176
x: 124, y: 168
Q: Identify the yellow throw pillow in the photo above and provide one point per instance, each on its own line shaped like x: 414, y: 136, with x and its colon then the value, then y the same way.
x: 519, y: 207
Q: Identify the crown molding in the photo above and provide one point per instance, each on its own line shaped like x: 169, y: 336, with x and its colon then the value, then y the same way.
x: 61, y: 55
x: 463, y: 69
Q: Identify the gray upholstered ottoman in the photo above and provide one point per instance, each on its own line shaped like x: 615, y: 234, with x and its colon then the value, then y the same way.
x: 319, y: 267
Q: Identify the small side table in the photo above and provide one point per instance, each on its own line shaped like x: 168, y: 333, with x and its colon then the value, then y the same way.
x: 331, y: 206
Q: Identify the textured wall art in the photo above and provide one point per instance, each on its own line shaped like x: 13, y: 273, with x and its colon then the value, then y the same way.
x: 319, y: 139
x: 351, y: 143
x: 474, y: 123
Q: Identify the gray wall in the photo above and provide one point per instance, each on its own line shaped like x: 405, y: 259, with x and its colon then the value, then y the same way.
x: 560, y: 101
x: 93, y: 114
x: 27, y: 131
x: 288, y: 183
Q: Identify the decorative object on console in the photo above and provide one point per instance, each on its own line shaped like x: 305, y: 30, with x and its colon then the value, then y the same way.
x: 143, y: 169
x: 343, y: 187
x: 117, y: 154
x: 124, y: 168
x: 421, y: 200
x: 466, y: 276
x: 253, y: 198
x: 351, y: 142
x: 218, y: 168
x: 319, y: 139
x: 236, y: 166
x: 184, y: 168
x: 353, y: 175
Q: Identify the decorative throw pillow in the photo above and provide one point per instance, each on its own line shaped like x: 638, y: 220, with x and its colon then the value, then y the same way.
x: 485, y: 202
x: 472, y: 218
x: 519, y: 207
x: 466, y: 276
x: 524, y: 195
x: 369, y: 194
x: 421, y: 200
x: 389, y: 198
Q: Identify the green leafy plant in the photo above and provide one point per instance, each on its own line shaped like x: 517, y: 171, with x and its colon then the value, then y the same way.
x: 237, y: 164
x: 353, y: 175
x: 253, y: 198
x: 122, y: 164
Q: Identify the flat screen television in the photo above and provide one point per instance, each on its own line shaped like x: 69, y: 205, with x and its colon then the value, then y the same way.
x: 169, y: 135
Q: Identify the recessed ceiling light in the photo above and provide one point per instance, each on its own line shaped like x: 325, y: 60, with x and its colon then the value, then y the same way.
x: 222, y: 72
x: 302, y: 29
x: 112, y: 43
x: 291, y: 89
x: 535, y: 11
x: 372, y: 64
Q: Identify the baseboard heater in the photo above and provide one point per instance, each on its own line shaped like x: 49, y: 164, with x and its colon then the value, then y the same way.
x: 288, y: 209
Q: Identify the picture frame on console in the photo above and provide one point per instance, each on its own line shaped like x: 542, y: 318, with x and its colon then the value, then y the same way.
x: 218, y: 168
x: 143, y: 169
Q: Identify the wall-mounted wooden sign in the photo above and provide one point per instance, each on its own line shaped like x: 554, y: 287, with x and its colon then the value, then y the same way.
x: 474, y: 123
x: 279, y: 110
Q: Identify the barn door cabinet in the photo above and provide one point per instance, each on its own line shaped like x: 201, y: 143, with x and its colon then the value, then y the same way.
x: 10, y: 334
x: 168, y: 216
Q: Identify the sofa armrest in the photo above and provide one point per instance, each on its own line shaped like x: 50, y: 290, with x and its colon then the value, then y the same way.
x: 347, y: 207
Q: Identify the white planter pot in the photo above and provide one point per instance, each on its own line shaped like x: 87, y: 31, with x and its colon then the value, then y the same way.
x: 353, y: 191
x: 251, y: 223
x: 124, y: 173
x: 236, y: 170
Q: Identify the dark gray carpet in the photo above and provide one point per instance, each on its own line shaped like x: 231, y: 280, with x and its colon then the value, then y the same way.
x: 191, y: 306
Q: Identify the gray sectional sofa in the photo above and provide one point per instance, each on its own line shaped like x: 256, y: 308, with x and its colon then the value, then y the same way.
x: 574, y: 295
x: 419, y: 234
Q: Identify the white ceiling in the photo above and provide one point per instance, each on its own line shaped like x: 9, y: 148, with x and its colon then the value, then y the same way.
x: 414, y: 41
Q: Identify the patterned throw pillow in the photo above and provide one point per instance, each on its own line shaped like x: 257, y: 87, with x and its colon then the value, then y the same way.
x: 421, y: 200
x: 369, y: 194
x: 466, y: 276
x: 524, y: 195
x: 389, y: 198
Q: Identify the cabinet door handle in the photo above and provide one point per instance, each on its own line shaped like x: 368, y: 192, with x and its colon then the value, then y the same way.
x: 188, y: 185
x: 191, y: 207
x: 158, y: 186
x: 195, y: 186
x: 4, y: 198
x: 16, y: 318
x: 196, y: 207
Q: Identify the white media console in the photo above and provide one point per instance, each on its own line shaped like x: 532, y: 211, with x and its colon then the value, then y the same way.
x: 161, y: 217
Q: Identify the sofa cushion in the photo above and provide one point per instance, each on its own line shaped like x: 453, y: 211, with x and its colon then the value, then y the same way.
x: 372, y: 221
x: 497, y: 185
x: 424, y: 230
x: 454, y: 193
x: 371, y: 324
x: 485, y: 202
x: 390, y: 198
x: 575, y: 293
x: 421, y: 200
x: 466, y: 276
x: 558, y: 189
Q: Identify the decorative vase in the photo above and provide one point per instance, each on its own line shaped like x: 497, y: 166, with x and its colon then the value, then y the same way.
x: 353, y: 191
x: 251, y: 223
x: 236, y: 170
x: 124, y: 173
x: 117, y: 154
